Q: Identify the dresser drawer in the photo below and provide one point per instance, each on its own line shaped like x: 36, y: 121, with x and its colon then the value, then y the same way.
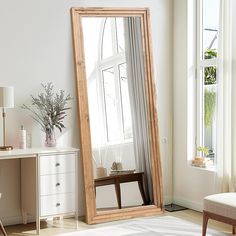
x: 57, y: 204
x: 57, y: 183
x: 54, y: 164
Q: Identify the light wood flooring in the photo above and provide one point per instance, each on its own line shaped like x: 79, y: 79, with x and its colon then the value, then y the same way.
x: 56, y: 227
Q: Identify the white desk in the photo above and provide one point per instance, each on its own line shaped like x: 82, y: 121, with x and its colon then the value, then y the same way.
x: 49, y: 181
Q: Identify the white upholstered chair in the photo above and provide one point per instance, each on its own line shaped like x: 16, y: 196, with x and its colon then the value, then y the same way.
x: 220, y: 207
x: 2, y: 230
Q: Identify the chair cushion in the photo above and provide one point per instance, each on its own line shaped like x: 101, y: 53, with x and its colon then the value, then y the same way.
x: 223, y: 204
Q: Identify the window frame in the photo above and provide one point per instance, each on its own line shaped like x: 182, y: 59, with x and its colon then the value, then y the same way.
x: 114, y: 61
x: 201, y: 64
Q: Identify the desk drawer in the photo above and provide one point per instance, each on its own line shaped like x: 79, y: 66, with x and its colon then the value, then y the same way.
x: 54, y: 164
x: 57, y: 204
x: 58, y: 183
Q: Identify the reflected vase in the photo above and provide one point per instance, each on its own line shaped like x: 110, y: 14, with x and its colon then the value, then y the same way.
x: 101, y: 172
x: 50, y: 140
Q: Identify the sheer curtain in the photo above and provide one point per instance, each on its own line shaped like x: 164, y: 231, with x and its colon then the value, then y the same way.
x: 136, y: 85
x: 226, y: 164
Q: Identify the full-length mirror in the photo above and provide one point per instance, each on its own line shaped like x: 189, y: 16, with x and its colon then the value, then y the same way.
x: 117, y: 114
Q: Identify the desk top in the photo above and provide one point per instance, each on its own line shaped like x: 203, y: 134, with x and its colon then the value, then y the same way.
x: 33, y: 152
x: 119, y: 176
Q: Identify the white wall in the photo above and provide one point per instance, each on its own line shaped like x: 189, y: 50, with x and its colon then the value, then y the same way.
x: 36, y: 47
x: 234, y: 74
x: 191, y: 184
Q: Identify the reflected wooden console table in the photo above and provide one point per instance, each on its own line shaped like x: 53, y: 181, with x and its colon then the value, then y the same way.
x: 2, y: 230
x: 122, y: 178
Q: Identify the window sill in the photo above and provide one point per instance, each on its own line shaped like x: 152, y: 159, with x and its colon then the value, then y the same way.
x: 208, y: 168
x: 122, y: 142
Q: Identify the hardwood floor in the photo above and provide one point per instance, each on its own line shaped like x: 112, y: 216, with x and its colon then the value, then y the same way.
x: 56, y: 227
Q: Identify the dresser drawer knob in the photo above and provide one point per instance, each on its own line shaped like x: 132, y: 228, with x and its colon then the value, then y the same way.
x: 58, y: 204
x: 58, y: 184
x: 57, y: 164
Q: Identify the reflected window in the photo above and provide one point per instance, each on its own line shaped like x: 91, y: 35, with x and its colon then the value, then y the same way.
x: 105, y: 56
x: 113, y: 40
x: 125, y: 102
x: 111, y: 105
x: 120, y: 34
x: 112, y: 62
x: 108, y: 34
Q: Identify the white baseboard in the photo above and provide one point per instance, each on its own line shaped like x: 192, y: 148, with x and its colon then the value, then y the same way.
x: 197, y: 206
x: 14, y: 220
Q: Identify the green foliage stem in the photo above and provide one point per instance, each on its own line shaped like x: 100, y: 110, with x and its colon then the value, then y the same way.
x: 209, y: 106
x: 205, y: 150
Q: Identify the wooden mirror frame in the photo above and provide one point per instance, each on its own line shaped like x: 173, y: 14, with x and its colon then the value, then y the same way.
x: 92, y: 216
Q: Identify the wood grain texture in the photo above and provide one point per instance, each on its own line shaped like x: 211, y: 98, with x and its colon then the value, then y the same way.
x: 209, y: 215
x: 2, y: 230
x: 83, y: 113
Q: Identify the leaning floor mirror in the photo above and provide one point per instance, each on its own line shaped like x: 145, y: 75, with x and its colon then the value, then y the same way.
x: 119, y: 142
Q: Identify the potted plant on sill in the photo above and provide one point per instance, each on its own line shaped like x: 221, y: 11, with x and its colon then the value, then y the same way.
x: 201, y: 159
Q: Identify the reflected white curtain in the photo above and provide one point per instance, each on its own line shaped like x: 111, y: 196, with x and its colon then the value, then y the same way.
x: 226, y: 138
x: 136, y: 84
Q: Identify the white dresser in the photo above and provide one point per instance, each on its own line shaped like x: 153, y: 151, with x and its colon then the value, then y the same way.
x: 49, y: 185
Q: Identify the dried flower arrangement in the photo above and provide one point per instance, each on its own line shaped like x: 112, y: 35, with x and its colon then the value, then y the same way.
x: 49, y: 111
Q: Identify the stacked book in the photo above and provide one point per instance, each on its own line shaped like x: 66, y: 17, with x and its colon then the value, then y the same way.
x: 202, y: 162
x: 121, y: 172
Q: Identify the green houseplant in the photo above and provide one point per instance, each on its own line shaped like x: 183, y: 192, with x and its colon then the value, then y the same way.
x: 204, y: 150
x: 209, y: 96
x: 209, y: 106
x: 49, y: 110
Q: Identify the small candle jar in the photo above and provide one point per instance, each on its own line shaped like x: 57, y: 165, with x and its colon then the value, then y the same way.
x: 101, y: 172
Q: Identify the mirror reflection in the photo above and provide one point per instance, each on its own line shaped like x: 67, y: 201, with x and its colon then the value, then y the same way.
x: 118, y: 111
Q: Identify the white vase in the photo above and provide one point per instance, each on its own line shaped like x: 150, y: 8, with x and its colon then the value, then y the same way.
x: 101, y: 172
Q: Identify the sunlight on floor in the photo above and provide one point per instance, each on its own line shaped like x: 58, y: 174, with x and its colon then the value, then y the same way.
x: 55, y: 227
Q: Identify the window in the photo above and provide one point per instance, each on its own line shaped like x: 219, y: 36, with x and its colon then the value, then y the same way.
x: 107, y: 78
x: 107, y: 82
x: 207, y: 69
x: 114, y: 81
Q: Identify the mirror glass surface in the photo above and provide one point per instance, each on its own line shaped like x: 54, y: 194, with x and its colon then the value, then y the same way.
x: 118, y: 111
